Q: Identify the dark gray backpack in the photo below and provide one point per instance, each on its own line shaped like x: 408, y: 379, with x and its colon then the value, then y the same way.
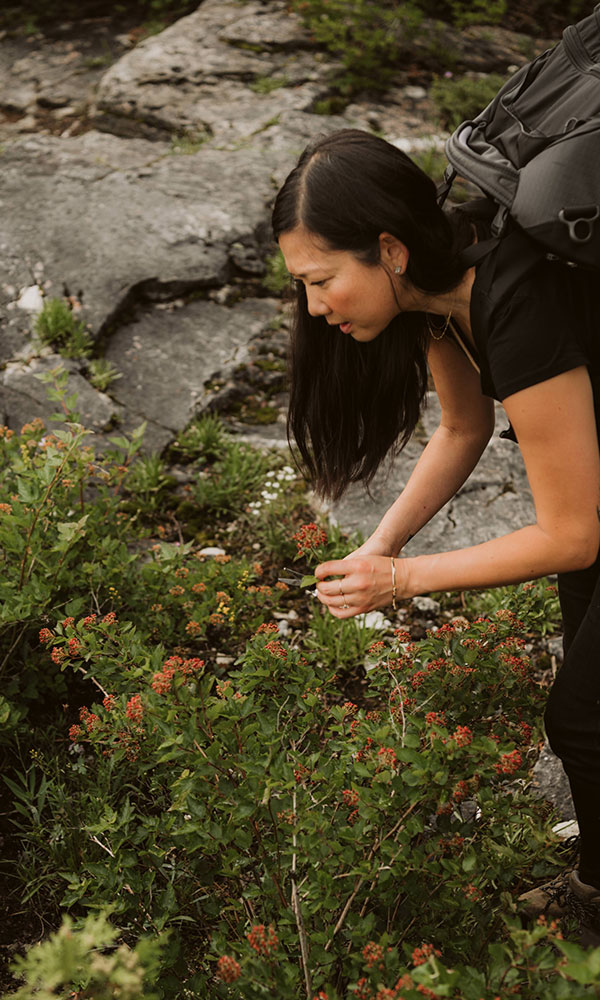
x: 535, y: 150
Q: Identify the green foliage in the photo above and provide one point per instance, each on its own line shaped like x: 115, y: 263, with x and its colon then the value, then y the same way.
x: 461, y: 13
x: 84, y: 957
x: 267, y: 84
x: 103, y: 373
x: 34, y: 15
x: 310, y: 807
x: 276, y: 279
x: 188, y: 143
x: 203, y: 439
x: 460, y: 98
x: 363, y: 35
x: 57, y: 326
x: 535, y: 602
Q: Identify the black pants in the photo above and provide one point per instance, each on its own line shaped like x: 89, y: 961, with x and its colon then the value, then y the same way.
x: 573, y: 711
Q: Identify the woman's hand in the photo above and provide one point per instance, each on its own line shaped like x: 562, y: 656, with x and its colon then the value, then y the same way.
x: 361, y: 583
x: 376, y: 545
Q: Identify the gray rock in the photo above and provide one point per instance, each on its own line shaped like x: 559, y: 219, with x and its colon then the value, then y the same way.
x: 555, y: 647
x: 495, y: 500
x: 168, y: 355
x: 118, y: 220
x: 551, y: 783
x: 191, y: 76
x: 25, y: 397
x: 426, y: 605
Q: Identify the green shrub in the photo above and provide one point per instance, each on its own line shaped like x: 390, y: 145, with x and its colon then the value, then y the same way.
x: 362, y: 35
x: 57, y: 326
x: 103, y: 373
x: 459, y: 98
x: 321, y: 813
x: 84, y: 958
x: 276, y: 279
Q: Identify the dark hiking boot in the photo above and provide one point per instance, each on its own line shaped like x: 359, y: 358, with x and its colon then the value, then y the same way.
x: 566, y: 898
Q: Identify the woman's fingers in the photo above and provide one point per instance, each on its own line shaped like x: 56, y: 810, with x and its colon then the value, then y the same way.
x: 353, y: 586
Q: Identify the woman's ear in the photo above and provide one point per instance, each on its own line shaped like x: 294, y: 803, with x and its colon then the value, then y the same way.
x: 393, y: 252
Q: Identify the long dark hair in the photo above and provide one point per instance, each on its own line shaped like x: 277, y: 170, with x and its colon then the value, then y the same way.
x: 351, y: 403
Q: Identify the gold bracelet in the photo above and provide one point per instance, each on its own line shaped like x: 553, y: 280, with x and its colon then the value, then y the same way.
x: 394, y: 605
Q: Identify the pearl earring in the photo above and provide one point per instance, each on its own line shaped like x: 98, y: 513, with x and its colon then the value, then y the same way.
x: 397, y: 270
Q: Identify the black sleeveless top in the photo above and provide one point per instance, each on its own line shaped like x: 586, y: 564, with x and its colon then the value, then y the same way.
x: 543, y: 321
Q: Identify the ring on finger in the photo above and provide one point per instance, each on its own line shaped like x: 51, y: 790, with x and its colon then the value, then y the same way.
x: 343, y: 596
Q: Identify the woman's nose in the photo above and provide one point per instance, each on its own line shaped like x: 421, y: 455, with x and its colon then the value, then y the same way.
x: 316, y: 303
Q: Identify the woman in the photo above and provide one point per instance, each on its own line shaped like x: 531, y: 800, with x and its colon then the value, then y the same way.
x: 381, y: 294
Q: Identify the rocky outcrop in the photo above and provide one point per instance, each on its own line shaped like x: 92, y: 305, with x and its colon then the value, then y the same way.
x: 138, y: 180
x: 154, y: 219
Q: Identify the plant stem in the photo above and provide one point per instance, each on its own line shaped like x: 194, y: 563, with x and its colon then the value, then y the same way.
x: 298, y: 912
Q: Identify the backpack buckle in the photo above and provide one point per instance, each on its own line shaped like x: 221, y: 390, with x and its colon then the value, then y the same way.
x: 580, y: 222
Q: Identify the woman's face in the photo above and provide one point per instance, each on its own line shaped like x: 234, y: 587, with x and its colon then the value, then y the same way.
x: 360, y: 299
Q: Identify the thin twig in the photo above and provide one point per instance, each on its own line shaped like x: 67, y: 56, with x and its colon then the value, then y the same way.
x: 360, y: 880
x: 298, y: 912
x: 91, y: 677
x: 103, y: 846
x: 15, y: 643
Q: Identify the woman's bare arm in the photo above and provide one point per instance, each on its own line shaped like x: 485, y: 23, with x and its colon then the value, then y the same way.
x: 466, y: 425
x: 555, y: 424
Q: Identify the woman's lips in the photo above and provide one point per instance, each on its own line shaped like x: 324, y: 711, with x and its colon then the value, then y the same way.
x: 345, y: 327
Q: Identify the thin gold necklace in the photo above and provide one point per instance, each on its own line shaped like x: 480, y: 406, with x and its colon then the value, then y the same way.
x: 435, y: 333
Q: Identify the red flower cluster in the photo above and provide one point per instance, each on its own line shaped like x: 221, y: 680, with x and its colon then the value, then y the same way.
x: 110, y: 618
x: 526, y: 731
x: 45, y: 635
x: 363, y: 990
x: 420, y: 955
x: 228, y: 969
x: 309, y: 538
x: 472, y: 892
x: 436, y: 719
x: 161, y: 682
x: 58, y: 654
x: 75, y: 732
x: 461, y: 790
x: 301, y: 773
x: 277, y: 649
x: 321, y: 995
x: 89, y: 621
x: 88, y: 718
x: 387, y: 757
x: 452, y: 845
x: 509, y: 762
x: 267, y: 627
x: 373, y: 954
x: 109, y: 702
x: 74, y: 646
x: 135, y: 709
x: 262, y: 940
x: 350, y: 798
x: 462, y: 736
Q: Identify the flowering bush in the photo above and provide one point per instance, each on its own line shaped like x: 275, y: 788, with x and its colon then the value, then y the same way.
x: 308, y: 813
